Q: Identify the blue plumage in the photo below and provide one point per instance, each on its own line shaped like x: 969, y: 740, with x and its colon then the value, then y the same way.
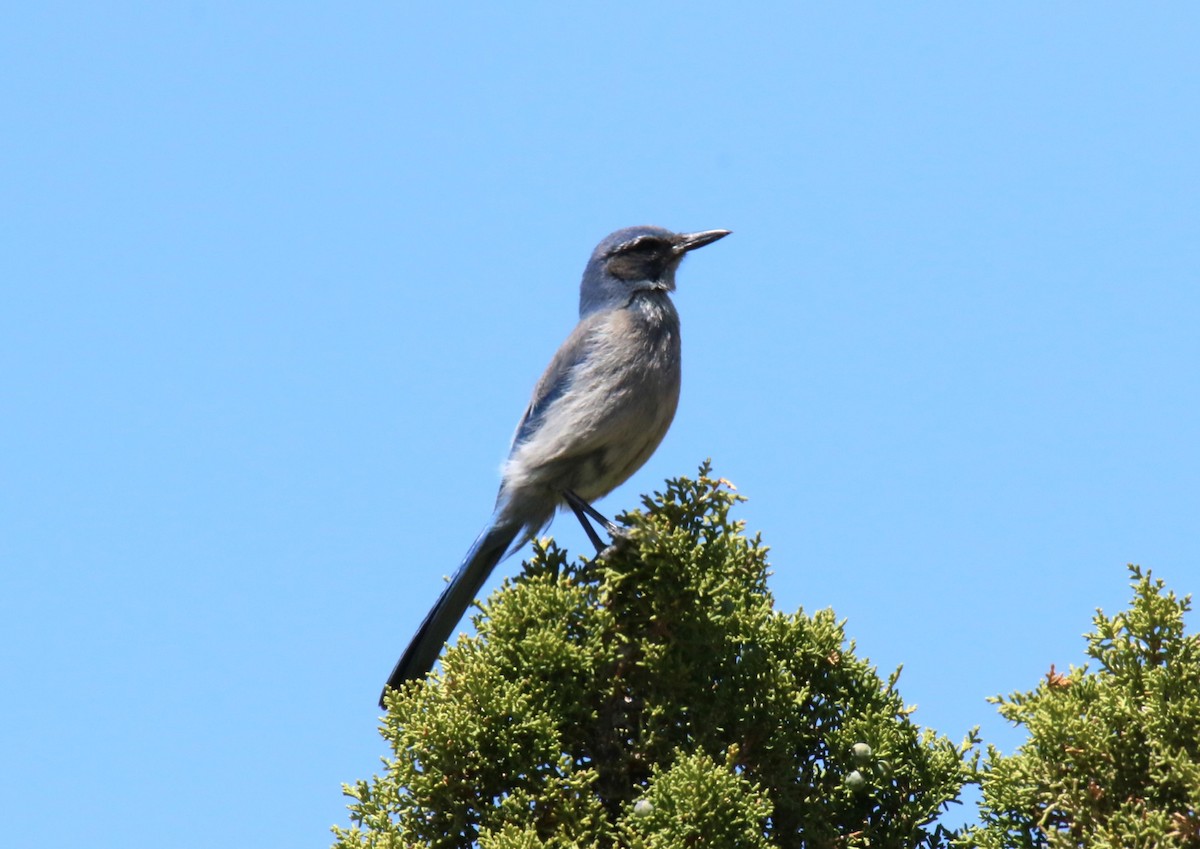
x: 598, y: 412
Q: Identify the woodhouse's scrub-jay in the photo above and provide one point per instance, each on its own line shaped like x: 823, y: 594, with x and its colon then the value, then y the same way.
x: 602, y: 407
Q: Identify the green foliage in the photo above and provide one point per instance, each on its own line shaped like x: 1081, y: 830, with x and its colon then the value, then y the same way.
x: 697, y: 802
x: 1113, y: 756
x: 652, y: 697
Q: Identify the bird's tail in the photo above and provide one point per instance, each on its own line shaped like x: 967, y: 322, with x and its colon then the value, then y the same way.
x: 489, y: 549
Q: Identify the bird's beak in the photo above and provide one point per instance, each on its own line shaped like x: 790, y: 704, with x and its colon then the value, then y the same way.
x: 685, y: 242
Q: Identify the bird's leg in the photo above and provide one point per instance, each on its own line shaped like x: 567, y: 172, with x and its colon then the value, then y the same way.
x: 578, y: 504
x: 581, y: 509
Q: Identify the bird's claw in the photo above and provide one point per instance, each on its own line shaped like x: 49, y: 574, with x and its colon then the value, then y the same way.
x: 622, y: 538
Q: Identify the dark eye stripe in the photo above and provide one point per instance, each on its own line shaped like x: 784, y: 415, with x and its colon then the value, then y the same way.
x: 642, y: 244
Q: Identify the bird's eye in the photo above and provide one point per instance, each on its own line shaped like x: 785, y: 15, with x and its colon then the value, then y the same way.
x: 640, y: 246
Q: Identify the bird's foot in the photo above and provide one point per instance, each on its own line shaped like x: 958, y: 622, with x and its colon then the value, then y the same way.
x: 622, y: 538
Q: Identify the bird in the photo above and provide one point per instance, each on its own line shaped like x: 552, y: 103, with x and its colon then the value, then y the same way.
x: 598, y: 412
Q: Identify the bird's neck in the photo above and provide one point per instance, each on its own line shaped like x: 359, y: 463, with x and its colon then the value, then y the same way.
x: 654, y: 304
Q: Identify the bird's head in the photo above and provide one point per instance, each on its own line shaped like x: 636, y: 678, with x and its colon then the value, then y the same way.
x: 636, y: 259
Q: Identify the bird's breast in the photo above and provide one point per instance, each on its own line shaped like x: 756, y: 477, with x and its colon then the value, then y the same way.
x: 633, y: 379
x: 616, y: 406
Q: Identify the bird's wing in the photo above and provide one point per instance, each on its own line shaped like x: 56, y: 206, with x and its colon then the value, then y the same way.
x: 556, y: 379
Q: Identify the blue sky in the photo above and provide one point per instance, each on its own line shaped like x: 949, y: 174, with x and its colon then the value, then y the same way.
x: 278, y: 279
